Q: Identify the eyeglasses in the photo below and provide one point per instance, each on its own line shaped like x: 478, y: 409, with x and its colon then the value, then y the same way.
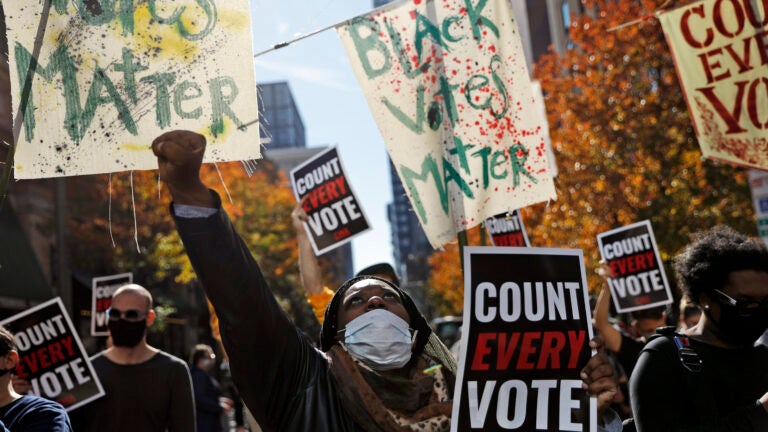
x: 128, y: 315
x: 744, y: 307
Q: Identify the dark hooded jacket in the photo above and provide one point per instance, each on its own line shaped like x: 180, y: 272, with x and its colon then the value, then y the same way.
x: 283, y: 379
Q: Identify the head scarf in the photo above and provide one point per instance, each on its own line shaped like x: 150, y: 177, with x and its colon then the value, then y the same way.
x: 427, y: 341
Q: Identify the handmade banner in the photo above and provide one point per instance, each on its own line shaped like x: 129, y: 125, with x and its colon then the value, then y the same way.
x: 335, y: 215
x: 720, y: 53
x: 525, y: 338
x: 640, y: 281
x: 96, y: 83
x: 101, y: 299
x: 506, y: 229
x: 448, y: 87
x: 758, y: 185
x: 51, y: 356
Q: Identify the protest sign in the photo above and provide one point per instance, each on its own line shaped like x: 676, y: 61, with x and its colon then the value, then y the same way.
x: 720, y: 53
x: 51, y: 356
x: 448, y: 87
x: 101, y: 299
x: 506, y: 229
x: 758, y: 186
x: 107, y: 78
x: 525, y: 338
x: 334, y: 212
x: 632, y: 255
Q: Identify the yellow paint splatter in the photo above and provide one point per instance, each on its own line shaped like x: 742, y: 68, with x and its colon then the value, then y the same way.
x: 233, y: 21
x: 162, y: 40
x: 134, y: 147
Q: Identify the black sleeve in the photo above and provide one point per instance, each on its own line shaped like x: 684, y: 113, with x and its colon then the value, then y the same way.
x: 271, y: 361
x: 182, y: 401
x: 663, y: 397
x: 206, y: 398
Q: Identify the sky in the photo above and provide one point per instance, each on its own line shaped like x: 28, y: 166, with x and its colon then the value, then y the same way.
x: 330, y: 102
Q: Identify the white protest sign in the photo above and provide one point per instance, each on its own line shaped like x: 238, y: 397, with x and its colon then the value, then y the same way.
x: 447, y: 84
x: 721, y: 55
x: 109, y: 77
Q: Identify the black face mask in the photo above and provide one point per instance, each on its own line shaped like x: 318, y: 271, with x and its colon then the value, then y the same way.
x: 3, y: 372
x: 127, y: 333
x: 741, y: 330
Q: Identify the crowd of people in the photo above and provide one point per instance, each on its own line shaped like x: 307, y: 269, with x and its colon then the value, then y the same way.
x: 367, y: 373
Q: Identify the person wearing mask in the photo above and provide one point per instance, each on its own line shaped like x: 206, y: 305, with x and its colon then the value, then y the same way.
x: 714, y: 377
x: 375, y: 344
x: 145, y: 388
x: 24, y: 413
x: 208, y: 399
x: 319, y: 295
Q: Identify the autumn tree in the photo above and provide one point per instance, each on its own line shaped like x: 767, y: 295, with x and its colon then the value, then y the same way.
x: 260, y: 209
x: 624, y: 145
x: 624, y: 142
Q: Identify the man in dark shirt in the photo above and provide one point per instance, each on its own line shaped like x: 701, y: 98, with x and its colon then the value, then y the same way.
x: 145, y: 389
x: 24, y: 413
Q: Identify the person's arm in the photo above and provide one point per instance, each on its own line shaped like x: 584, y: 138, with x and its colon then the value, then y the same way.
x: 182, y: 417
x: 599, y: 380
x: 309, y: 267
x: 272, y: 362
x: 601, y: 319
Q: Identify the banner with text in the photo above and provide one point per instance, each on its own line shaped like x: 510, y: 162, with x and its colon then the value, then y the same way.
x: 720, y: 53
x: 632, y: 255
x: 524, y: 341
x: 448, y: 87
x: 96, y: 84
x: 334, y: 212
x: 51, y: 356
x: 101, y: 299
x: 506, y: 229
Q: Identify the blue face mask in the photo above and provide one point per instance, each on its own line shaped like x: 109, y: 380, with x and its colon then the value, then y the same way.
x: 380, y: 339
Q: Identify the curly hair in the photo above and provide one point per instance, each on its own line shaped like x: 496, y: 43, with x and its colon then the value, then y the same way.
x: 708, y: 262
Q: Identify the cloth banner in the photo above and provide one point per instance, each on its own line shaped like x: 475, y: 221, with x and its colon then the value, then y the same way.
x: 721, y: 54
x: 525, y: 338
x: 448, y: 87
x: 108, y: 77
x: 51, y: 356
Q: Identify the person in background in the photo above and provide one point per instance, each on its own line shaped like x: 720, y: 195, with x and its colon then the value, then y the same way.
x: 209, y: 404
x: 381, y: 367
x: 690, y: 314
x: 714, y: 377
x: 145, y: 388
x: 24, y: 413
x: 319, y: 295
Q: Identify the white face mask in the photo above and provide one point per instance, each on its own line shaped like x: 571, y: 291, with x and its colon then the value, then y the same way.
x: 380, y: 339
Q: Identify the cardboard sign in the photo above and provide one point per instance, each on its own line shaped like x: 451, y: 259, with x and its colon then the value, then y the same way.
x: 525, y: 338
x: 719, y: 49
x: 103, y: 288
x: 506, y: 229
x: 448, y: 86
x: 51, y: 356
x: 640, y: 281
x: 335, y: 215
x: 97, y: 81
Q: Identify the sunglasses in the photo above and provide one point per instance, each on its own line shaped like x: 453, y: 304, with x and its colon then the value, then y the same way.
x: 128, y: 315
x: 744, y: 307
